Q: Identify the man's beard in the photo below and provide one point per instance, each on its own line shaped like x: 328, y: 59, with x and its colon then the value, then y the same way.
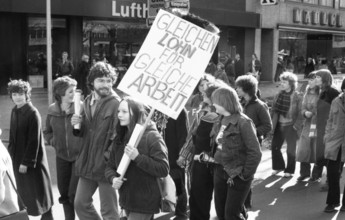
x: 103, y: 92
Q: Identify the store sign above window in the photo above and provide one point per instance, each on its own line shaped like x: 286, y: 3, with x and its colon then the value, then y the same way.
x: 317, y: 18
x: 129, y: 9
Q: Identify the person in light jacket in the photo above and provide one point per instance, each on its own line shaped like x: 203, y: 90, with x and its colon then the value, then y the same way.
x: 59, y: 134
x: 306, y: 146
x: 8, y: 195
x: 335, y: 151
x: 138, y: 189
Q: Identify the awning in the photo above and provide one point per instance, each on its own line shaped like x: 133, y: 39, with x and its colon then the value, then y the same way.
x: 229, y: 17
x: 310, y: 29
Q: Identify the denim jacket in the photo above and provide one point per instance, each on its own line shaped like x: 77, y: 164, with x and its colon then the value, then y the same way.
x: 240, y: 154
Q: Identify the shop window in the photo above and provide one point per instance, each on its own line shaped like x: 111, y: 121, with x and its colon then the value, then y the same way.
x: 114, y: 42
x: 315, y: 2
x: 37, y: 47
x: 342, y: 3
x: 326, y: 3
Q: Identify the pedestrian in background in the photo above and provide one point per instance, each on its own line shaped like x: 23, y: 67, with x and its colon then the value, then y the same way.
x: 287, y: 124
x: 239, y: 66
x: 328, y: 93
x: 97, y: 128
x: 309, y: 67
x: 280, y: 68
x: 65, y: 66
x: 174, y: 133
x: 139, y: 192
x: 81, y: 73
x: 237, y: 155
x: 27, y: 150
x: 229, y: 67
x: 8, y: 195
x: 59, y: 134
x: 254, y: 67
x: 220, y: 73
x: 255, y: 109
x: 306, y: 147
x: 335, y: 151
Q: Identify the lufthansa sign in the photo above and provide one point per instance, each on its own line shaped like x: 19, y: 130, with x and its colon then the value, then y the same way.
x: 317, y: 18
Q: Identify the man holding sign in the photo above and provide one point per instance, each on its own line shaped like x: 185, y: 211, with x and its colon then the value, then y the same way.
x: 98, y: 120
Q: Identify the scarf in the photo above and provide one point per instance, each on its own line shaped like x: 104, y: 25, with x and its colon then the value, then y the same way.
x: 283, y: 103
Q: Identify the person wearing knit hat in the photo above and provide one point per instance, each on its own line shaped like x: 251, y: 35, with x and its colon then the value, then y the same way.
x: 335, y: 151
x: 324, y: 80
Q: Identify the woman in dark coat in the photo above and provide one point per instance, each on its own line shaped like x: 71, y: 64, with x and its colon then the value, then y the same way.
x: 28, y: 154
x: 324, y: 79
x: 138, y: 189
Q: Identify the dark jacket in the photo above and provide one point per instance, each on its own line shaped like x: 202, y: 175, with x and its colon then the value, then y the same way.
x: 323, y: 108
x: 240, y: 154
x: 80, y: 74
x: 59, y: 132
x: 257, y: 110
x: 239, y: 68
x: 26, y: 147
x: 97, y: 132
x: 175, y: 135
x: 65, y: 69
x: 203, y: 133
x: 229, y: 69
x: 140, y: 192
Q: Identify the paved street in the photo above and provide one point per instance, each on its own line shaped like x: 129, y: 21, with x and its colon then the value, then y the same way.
x: 274, y: 197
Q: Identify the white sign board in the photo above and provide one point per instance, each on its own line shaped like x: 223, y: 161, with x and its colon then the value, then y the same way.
x: 169, y: 64
x: 154, y: 6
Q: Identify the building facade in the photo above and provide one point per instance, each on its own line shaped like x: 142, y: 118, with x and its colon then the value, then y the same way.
x: 111, y: 29
x: 298, y: 29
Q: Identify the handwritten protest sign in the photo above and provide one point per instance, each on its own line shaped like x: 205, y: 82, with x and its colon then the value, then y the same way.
x: 169, y: 64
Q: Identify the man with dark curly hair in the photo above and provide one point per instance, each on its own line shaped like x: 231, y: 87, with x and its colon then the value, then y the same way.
x: 97, y: 128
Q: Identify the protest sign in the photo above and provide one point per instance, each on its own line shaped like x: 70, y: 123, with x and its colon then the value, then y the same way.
x: 170, y: 63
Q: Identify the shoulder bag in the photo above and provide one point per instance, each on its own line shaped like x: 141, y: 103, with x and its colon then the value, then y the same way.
x: 167, y: 190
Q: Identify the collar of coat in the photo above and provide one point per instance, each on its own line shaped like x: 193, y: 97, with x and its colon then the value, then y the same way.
x: 24, y: 108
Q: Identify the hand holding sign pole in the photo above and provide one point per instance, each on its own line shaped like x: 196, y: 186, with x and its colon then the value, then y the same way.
x: 167, y: 68
x: 77, y: 97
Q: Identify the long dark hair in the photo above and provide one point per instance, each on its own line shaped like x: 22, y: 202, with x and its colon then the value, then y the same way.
x: 137, y: 115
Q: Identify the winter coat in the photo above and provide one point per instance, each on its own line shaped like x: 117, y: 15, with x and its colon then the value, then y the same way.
x: 323, y: 107
x: 59, y: 132
x: 98, y: 131
x: 220, y: 74
x: 26, y: 147
x: 80, y: 74
x: 294, y: 113
x: 240, y: 153
x: 140, y: 192
x: 239, y: 68
x: 335, y: 130
x: 257, y: 110
x: 306, y: 146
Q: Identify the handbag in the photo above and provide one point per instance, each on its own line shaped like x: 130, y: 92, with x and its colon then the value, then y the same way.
x: 21, y: 215
x: 167, y: 190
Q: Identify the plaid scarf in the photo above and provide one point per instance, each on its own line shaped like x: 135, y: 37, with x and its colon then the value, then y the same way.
x: 282, y: 105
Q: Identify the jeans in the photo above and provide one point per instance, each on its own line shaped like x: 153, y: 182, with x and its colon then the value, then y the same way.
x: 67, y: 184
x: 201, y: 191
x: 334, y: 170
x: 229, y: 200
x: 83, y: 200
x: 281, y: 134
